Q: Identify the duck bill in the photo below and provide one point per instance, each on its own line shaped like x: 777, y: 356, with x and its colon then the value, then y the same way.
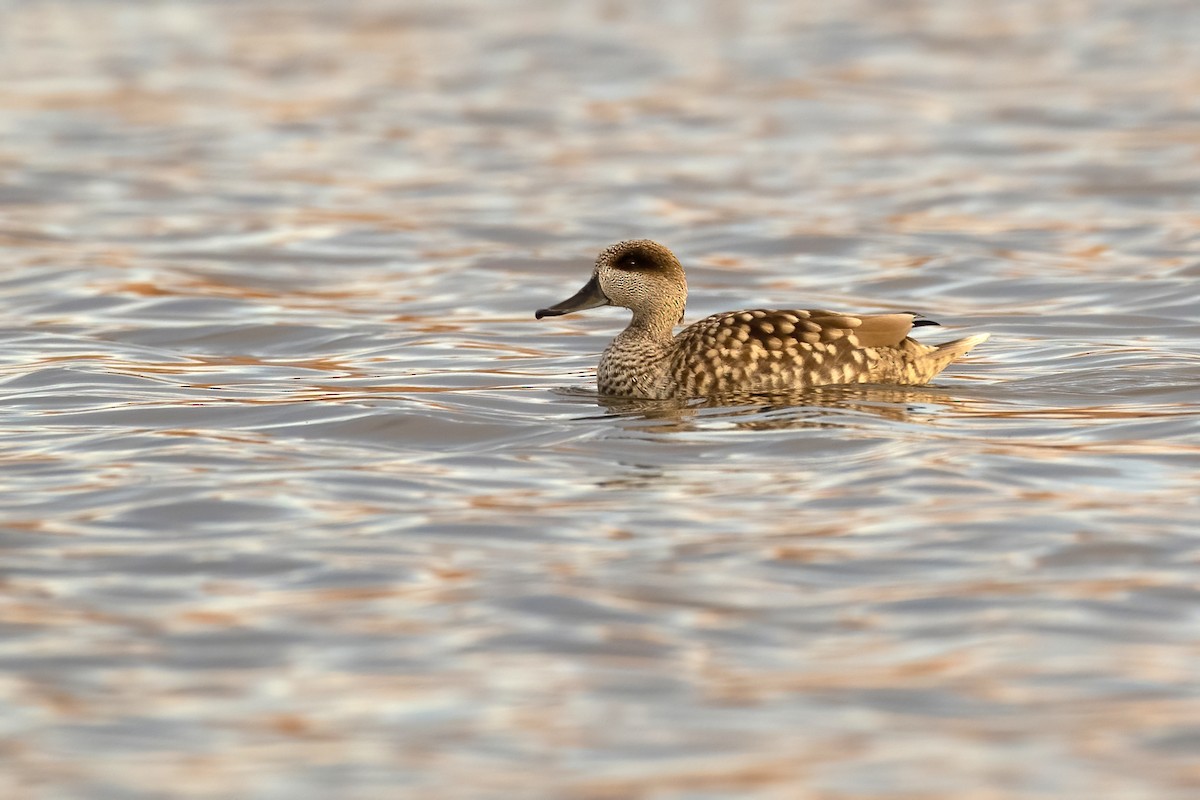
x: 589, y: 296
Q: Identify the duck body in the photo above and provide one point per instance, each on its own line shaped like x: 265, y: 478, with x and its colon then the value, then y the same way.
x: 758, y: 351
x: 764, y: 351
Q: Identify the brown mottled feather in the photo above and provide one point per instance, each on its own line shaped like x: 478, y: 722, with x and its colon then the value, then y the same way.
x: 752, y: 351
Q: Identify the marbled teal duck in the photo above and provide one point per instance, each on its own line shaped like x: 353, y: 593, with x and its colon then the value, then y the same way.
x: 740, y: 352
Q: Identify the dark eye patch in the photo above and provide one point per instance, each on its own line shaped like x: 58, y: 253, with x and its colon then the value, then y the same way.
x: 639, y: 260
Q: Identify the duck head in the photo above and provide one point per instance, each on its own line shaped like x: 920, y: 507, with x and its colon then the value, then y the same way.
x: 637, y: 274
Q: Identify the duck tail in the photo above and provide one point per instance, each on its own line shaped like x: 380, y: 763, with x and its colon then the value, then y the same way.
x: 936, y: 358
x: 943, y: 355
x: 951, y: 351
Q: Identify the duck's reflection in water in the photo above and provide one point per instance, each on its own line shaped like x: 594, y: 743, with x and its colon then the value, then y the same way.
x: 824, y: 406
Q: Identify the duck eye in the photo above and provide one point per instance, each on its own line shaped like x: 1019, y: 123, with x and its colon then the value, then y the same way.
x: 638, y: 259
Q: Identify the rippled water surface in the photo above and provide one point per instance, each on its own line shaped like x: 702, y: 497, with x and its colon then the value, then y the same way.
x: 301, y: 502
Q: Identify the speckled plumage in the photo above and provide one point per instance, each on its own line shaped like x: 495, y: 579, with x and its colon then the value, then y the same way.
x: 739, y: 352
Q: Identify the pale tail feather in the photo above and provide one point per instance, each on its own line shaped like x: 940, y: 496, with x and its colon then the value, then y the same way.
x: 946, y: 353
x: 960, y: 347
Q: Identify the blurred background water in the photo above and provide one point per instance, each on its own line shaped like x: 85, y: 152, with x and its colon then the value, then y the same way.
x: 299, y: 501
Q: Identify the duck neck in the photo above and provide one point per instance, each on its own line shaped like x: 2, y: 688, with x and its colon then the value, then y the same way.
x: 656, y: 325
x: 634, y: 363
